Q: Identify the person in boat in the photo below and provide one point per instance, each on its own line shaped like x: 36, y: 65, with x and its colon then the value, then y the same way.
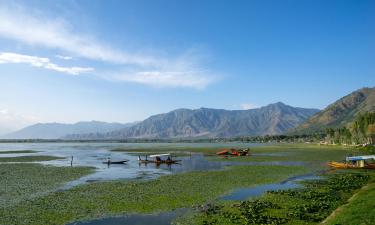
x: 109, y: 160
x: 169, y: 159
x: 157, y: 159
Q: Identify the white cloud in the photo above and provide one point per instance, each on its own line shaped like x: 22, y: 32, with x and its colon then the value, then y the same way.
x: 23, y: 26
x: 64, y: 57
x: 7, y: 57
x: 248, y: 106
x: 19, y: 25
x: 192, y: 79
x: 10, y: 121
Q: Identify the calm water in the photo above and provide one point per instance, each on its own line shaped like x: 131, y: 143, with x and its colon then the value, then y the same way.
x: 94, y: 154
x: 245, y: 193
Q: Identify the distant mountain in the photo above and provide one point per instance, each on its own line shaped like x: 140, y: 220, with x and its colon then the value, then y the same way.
x: 186, y: 123
x: 341, y: 112
x: 58, y: 130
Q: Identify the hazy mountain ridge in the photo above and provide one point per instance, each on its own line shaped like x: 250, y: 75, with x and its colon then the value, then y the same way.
x: 58, y: 130
x: 341, y: 112
x: 204, y: 122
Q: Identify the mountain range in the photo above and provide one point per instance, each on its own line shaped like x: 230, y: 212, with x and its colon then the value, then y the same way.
x: 273, y: 119
x: 58, y: 130
x: 204, y: 122
x: 340, y: 113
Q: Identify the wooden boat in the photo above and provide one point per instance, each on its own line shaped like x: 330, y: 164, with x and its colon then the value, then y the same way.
x: 116, y: 162
x: 160, y: 162
x: 158, y: 159
x: 233, y: 152
x: 348, y: 165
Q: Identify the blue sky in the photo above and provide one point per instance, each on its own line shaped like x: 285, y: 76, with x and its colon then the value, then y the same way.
x: 68, y: 61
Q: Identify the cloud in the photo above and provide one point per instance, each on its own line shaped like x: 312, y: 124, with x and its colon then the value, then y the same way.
x: 10, y: 121
x: 64, y: 57
x: 22, y: 26
x: 246, y: 106
x: 161, y: 70
x: 7, y: 57
x: 195, y: 79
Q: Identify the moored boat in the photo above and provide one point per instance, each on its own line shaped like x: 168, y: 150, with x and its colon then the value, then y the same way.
x: 158, y: 159
x: 116, y: 162
x: 354, y: 162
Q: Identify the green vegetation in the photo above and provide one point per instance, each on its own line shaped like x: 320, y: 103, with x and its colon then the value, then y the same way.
x: 361, y: 131
x: 119, y: 197
x: 17, y: 151
x: 25, y: 181
x: 298, y: 152
x: 308, y: 205
x: 29, y: 158
x: 359, y: 210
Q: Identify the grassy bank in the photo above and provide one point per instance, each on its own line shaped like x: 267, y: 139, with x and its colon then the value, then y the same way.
x: 38, y: 158
x: 166, y: 193
x: 25, y: 181
x: 359, y: 210
x: 309, y: 205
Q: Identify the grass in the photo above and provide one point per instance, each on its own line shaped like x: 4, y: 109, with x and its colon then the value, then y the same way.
x: 29, y: 158
x: 119, y: 197
x: 17, y: 152
x: 360, y: 209
x: 309, y: 205
x: 25, y: 181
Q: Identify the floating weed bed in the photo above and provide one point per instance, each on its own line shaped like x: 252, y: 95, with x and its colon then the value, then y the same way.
x: 29, y: 158
x: 308, y: 205
x: 124, y: 197
x: 25, y: 181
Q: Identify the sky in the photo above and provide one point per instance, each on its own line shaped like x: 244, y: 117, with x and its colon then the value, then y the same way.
x: 122, y: 61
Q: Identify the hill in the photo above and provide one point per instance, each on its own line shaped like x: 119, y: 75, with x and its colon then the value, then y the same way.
x: 340, y: 113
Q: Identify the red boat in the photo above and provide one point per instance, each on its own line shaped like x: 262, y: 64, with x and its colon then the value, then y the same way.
x: 234, y: 152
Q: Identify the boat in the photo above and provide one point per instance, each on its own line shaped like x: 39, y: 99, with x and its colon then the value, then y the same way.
x: 345, y: 165
x: 354, y: 162
x: 116, y: 162
x: 234, y: 152
x: 159, y: 159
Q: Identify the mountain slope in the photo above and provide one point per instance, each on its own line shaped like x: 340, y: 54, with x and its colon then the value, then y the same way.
x: 341, y: 112
x: 272, y: 119
x: 58, y: 130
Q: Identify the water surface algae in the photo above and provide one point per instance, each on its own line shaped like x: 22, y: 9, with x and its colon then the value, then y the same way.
x: 29, y: 193
x: 124, y: 197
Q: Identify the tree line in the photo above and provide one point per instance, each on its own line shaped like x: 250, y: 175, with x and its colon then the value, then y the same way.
x: 360, y: 131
